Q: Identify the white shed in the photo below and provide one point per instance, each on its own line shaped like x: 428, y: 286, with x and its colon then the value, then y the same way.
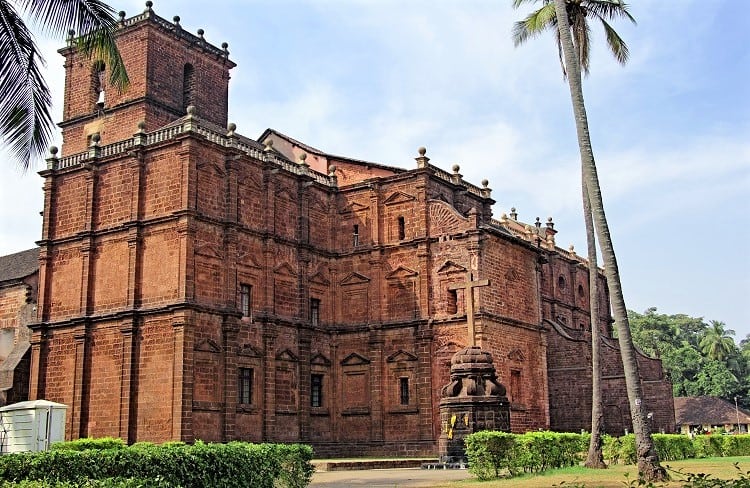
x: 31, y: 426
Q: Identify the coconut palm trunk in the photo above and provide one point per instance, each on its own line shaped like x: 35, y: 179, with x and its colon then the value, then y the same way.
x: 595, y: 457
x: 648, y: 460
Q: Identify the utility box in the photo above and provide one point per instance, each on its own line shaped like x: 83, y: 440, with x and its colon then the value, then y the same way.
x: 31, y: 426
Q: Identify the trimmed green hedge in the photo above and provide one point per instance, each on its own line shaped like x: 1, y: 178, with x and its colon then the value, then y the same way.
x: 672, y: 447
x: 492, y: 453
x: 174, y: 464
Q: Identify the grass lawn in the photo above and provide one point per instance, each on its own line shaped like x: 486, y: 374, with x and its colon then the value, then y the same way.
x: 614, y: 476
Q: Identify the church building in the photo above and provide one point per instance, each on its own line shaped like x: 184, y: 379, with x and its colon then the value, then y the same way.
x: 194, y: 283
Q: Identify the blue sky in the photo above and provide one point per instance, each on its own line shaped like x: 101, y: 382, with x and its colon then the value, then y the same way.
x: 376, y: 79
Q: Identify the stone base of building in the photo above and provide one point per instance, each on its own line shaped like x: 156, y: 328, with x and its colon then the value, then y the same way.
x: 390, y: 449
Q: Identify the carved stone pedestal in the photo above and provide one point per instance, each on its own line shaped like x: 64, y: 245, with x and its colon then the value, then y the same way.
x: 473, y: 401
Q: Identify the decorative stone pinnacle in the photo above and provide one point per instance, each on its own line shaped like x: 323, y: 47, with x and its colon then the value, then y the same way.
x: 121, y: 14
x: 332, y: 170
x: 485, y: 183
x: 513, y: 214
x: 572, y: 249
x: 422, y: 159
x: 550, y: 223
x: 191, y: 110
x: 231, y: 128
x: 200, y: 33
x: 456, y: 168
x: 95, y: 139
x: 176, y: 20
x: 53, y: 151
x: 149, y: 4
x: 537, y: 223
x: 302, y: 158
x: 225, y: 47
x: 269, y: 145
x: 71, y: 33
x: 142, y: 126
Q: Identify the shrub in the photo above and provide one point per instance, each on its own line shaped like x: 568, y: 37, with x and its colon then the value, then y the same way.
x: 490, y: 453
x: 176, y: 464
x: 708, y: 445
x: 89, y: 443
x: 672, y: 447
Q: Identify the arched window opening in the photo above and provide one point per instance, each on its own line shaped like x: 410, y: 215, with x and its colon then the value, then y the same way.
x: 188, y: 86
x: 97, y: 85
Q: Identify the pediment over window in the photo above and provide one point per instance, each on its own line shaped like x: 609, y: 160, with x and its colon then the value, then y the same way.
x: 285, y: 269
x: 516, y: 355
x: 247, y: 259
x: 250, y: 182
x: 401, y: 355
x: 401, y: 272
x: 286, y: 355
x: 218, y: 170
x: 320, y: 278
x: 398, y: 197
x: 249, y: 351
x: 354, y: 207
x: 208, y: 249
x: 320, y: 360
x: 285, y: 193
x: 451, y: 267
x: 354, y: 279
x: 354, y: 359
x: 208, y: 345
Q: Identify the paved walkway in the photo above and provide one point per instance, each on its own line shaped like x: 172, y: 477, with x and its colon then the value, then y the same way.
x: 387, y: 478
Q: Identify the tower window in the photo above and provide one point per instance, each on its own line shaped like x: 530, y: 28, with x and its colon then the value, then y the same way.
x: 452, y: 305
x: 246, y: 300
x: 97, y: 85
x: 245, y: 386
x: 404, y: 390
x: 401, y: 229
x: 356, y: 235
x: 188, y: 86
x: 316, y: 390
x: 314, y: 311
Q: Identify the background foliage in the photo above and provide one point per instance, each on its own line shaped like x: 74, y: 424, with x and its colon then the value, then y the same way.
x: 701, y: 357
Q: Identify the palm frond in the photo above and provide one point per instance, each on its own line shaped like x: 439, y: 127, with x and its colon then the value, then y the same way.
x: 93, y: 22
x: 618, y: 47
x: 518, y: 3
x: 534, y: 24
x: 610, y: 9
x: 25, y: 121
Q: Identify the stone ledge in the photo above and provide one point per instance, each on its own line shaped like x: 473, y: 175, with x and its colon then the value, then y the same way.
x: 356, y: 464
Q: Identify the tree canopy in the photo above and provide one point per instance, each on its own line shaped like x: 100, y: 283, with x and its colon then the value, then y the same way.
x: 701, y: 357
x: 25, y: 101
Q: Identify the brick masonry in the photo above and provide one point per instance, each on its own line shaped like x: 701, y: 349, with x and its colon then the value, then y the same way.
x: 146, y: 252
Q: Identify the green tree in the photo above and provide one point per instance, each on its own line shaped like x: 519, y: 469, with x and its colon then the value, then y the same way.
x: 537, y: 22
x: 714, y: 379
x: 648, y: 460
x: 717, y: 342
x: 25, y: 120
x: 579, y: 13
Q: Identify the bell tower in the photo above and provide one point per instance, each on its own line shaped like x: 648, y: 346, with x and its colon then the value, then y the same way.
x: 169, y: 69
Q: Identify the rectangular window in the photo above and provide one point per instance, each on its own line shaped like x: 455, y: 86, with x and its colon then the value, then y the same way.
x: 401, y: 229
x: 245, y: 386
x: 515, y: 386
x: 316, y: 390
x: 356, y: 235
x: 404, y: 390
x: 314, y: 311
x: 246, y: 300
x: 452, y: 305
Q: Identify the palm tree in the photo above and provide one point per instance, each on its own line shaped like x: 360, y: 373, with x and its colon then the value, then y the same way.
x: 717, y: 342
x: 25, y: 120
x: 534, y: 24
x: 579, y: 12
x: 648, y: 460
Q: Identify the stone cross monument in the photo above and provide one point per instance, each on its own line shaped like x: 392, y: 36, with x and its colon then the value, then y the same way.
x: 474, y: 400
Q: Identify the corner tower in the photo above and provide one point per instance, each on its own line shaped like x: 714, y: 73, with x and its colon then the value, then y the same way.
x: 169, y: 69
